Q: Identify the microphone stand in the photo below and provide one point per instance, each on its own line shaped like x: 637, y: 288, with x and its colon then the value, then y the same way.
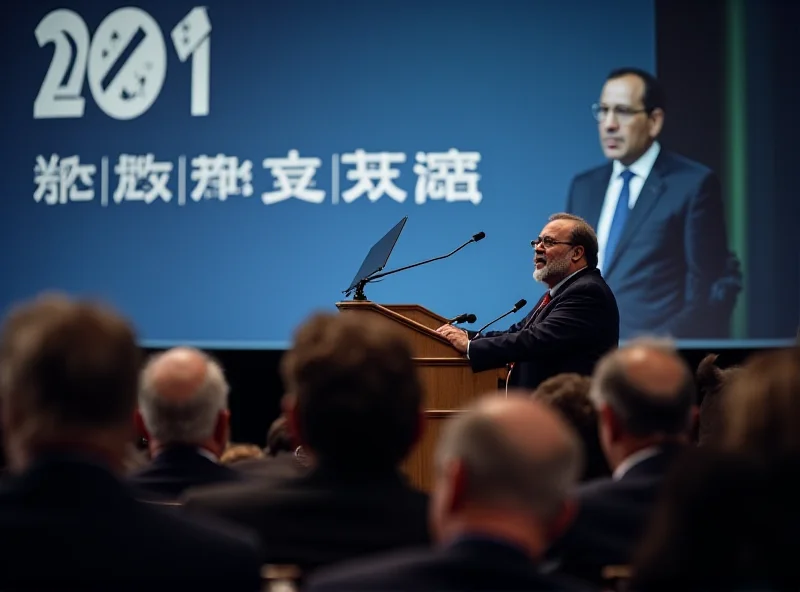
x: 359, y: 295
x: 517, y: 306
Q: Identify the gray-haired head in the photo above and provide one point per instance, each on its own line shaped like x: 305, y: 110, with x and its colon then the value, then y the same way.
x: 182, y: 392
x: 648, y: 386
x: 517, y: 454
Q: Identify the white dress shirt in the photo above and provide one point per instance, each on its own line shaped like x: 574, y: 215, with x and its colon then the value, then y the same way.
x: 208, y: 454
x: 641, y: 169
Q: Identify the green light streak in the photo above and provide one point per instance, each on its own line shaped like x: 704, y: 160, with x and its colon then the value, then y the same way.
x: 736, y: 148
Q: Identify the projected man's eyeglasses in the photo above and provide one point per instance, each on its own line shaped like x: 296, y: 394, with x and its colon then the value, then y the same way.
x: 621, y: 113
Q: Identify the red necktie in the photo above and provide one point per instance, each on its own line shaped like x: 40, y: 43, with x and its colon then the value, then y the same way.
x: 543, y: 303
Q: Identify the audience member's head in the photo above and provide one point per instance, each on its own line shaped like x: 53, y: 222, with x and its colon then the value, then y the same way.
x: 569, y: 394
x: 645, y: 395
x: 353, y: 395
x: 183, y: 400
x: 68, y: 377
x: 711, y: 381
x: 504, y: 469
x: 279, y: 437
x: 762, y: 406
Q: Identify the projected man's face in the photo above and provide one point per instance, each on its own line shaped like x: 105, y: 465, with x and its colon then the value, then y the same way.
x: 626, y: 129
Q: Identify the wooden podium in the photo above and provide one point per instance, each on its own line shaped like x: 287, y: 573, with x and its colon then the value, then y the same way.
x: 448, y: 382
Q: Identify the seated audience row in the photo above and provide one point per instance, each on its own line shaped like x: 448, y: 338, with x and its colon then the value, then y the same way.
x: 533, y: 491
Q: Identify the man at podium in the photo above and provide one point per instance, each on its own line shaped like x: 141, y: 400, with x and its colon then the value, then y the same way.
x: 571, y: 327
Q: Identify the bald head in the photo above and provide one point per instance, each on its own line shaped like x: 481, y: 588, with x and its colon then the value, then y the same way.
x: 653, y: 369
x: 648, y: 386
x: 177, y: 374
x: 532, y: 429
x: 181, y: 396
x: 517, y: 453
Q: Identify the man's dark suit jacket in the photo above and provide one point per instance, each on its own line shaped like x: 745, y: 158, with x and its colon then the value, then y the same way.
x: 672, y: 257
x: 612, y: 516
x: 570, y: 334
x: 176, y: 469
x: 470, y: 564
x: 68, y: 523
x: 323, y: 517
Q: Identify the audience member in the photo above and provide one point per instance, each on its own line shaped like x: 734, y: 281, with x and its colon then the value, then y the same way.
x: 69, y: 373
x: 283, y: 459
x: 569, y: 394
x: 354, y: 402
x: 279, y: 437
x: 711, y: 381
x: 183, y: 411
x: 504, y: 470
x: 644, y: 393
x: 762, y: 406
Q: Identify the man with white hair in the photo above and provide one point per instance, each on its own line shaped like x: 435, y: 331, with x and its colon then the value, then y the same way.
x: 504, y: 470
x: 183, y: 410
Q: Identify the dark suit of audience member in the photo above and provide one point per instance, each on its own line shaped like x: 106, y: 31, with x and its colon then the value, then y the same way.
x: 503, y: 474
x: 67, y: 521
x: 659, y: 218
x: 322, y: 518
x: 178, y: 468
x: 469, y: 564
x: 613, y: 512
x: 571, y: 327
x: 354, y: 403
x: 183, y: 412
x: 645, y: 397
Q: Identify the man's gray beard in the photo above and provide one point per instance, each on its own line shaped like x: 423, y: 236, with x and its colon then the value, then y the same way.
x: 556, y: 269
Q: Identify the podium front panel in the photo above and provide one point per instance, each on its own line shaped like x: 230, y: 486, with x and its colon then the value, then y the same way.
x: 419, y: 466
x: 451, y: 383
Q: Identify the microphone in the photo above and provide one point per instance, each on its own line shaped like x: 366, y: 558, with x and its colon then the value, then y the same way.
x: 475, y: 238
x: 517, y: 306
x: 463, y: 318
